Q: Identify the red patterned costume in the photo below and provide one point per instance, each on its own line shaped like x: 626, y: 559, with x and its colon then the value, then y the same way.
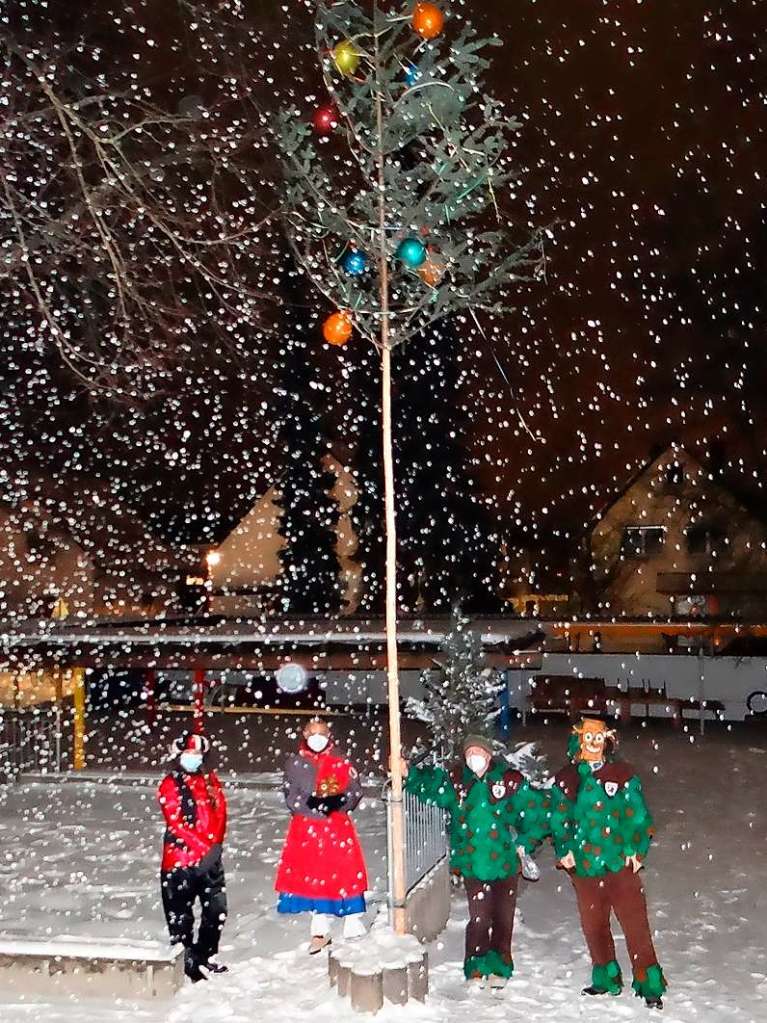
x: 322, y: 867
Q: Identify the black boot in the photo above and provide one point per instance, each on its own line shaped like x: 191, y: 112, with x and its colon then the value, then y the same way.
x: 192, y: 967
x: 214, y: 967
x: 594, y: 991
x: 654, y: 1003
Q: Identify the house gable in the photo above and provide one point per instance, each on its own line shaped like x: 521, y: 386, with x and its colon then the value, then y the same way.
x: 673, y: 531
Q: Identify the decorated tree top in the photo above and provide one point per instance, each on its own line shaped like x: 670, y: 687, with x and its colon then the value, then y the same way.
x: 397, y: 185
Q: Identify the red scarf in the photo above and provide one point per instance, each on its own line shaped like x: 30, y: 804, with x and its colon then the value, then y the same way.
x: 332, y: 772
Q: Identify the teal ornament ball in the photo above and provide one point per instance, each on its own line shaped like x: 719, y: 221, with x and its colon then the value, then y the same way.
x: 411, y: 252
x: 355, y: 262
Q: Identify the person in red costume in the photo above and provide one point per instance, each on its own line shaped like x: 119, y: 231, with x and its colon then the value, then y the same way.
x: 194, y: 806
x: 322, y: 867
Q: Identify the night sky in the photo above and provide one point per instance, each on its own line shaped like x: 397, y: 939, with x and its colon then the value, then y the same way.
x: 643, y: 151
x: 646, y: 147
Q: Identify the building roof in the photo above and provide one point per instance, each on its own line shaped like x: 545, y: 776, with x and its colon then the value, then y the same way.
x: 218, y: 641
x: 634, y: 478
x: 98, y: 521
x: 646, y: 468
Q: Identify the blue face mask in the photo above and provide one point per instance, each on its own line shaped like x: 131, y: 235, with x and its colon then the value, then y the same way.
x: 190, y: 762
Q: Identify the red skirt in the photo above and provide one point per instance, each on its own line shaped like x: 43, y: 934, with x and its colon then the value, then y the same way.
x: 322, y: 859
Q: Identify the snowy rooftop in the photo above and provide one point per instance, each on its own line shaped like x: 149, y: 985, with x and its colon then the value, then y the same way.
x: 506, y: 635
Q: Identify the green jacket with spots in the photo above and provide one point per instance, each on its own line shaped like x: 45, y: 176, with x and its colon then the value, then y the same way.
x: 600, y: 817
x: 483, y: 812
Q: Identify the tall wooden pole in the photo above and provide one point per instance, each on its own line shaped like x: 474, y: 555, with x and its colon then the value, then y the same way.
x: 398, y: 893
x: 78, y: 738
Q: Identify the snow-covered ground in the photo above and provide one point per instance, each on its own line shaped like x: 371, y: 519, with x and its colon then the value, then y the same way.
x: 82, y: 860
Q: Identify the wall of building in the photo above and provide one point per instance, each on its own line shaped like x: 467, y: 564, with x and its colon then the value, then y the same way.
x: 729, y: 679
x: 359, y: 687
x: 249, y: 558
x: 631, y: 585
x: 38, y: 566
x: 28, y: 689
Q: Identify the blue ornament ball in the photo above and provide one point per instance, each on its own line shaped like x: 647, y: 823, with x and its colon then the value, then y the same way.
x: 411, y: 252
x: 412, y: 74
x: 355, y: 262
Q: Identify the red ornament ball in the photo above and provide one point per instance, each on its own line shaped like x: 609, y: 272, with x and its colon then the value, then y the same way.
x: 428, y: 20
x: 325, y: 119
x: 337, y: 328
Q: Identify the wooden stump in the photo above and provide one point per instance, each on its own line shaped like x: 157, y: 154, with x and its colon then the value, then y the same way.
x: 368, y: 983
x: 418, y: 978
x: 332, y: 970
x: 367, y: 992
x: 396, y: 985
x: 343, y: 978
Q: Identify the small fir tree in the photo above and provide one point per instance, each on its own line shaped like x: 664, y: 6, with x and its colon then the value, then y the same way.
x: 464, y: 696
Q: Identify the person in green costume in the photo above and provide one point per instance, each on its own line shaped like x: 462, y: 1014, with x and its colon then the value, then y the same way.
x: 602, y: 829
x: 497, y: 819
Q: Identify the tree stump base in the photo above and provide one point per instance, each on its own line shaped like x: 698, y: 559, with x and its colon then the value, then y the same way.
x: 366, y: 992
x: 381, y: 968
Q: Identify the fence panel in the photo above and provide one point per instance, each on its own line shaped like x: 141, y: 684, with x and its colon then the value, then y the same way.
x: 426, y: 839
x: 31, y: 740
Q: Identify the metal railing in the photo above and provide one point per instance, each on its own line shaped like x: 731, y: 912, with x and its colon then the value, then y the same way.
x: 31, y: 740
x: 426, y: 838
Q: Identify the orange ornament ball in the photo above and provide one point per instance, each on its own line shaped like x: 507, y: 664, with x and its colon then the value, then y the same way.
x: 431, y: 272
x: 428, y: 20
x: 337, y: 328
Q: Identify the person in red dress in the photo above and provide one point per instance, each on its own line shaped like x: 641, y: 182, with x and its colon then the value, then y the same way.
x: 194, y: 806
x: 322, y: 868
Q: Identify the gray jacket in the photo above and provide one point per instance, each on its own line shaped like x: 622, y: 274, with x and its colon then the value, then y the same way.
x: 298, y: 786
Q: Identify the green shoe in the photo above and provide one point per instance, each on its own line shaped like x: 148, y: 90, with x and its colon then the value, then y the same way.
x: 605, y: 980
x: 651, y: 986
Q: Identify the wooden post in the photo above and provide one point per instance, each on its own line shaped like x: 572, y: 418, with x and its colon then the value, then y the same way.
x: 702, y: 686
x: 395, y: 985
x: 332, y: 969
x: 366, y: 992
x: 199, y: 700
x: 418, y: 978
x: 398, y: 892
x: 150, y: 687
x: 343, y: 979
x: 78, y: 750
x: 58, y: 680
x: 504, y: 716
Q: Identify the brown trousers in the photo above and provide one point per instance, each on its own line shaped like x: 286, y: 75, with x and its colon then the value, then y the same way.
x: 491, y: 916
x: 623, y: 894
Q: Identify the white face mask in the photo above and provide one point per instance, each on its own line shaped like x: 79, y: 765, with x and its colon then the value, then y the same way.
x: 317, y: 742
x: 477, y: 763
x: 191, y: 762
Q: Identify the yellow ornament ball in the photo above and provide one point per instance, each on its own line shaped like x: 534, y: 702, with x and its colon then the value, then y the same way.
x: 346, y: 58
